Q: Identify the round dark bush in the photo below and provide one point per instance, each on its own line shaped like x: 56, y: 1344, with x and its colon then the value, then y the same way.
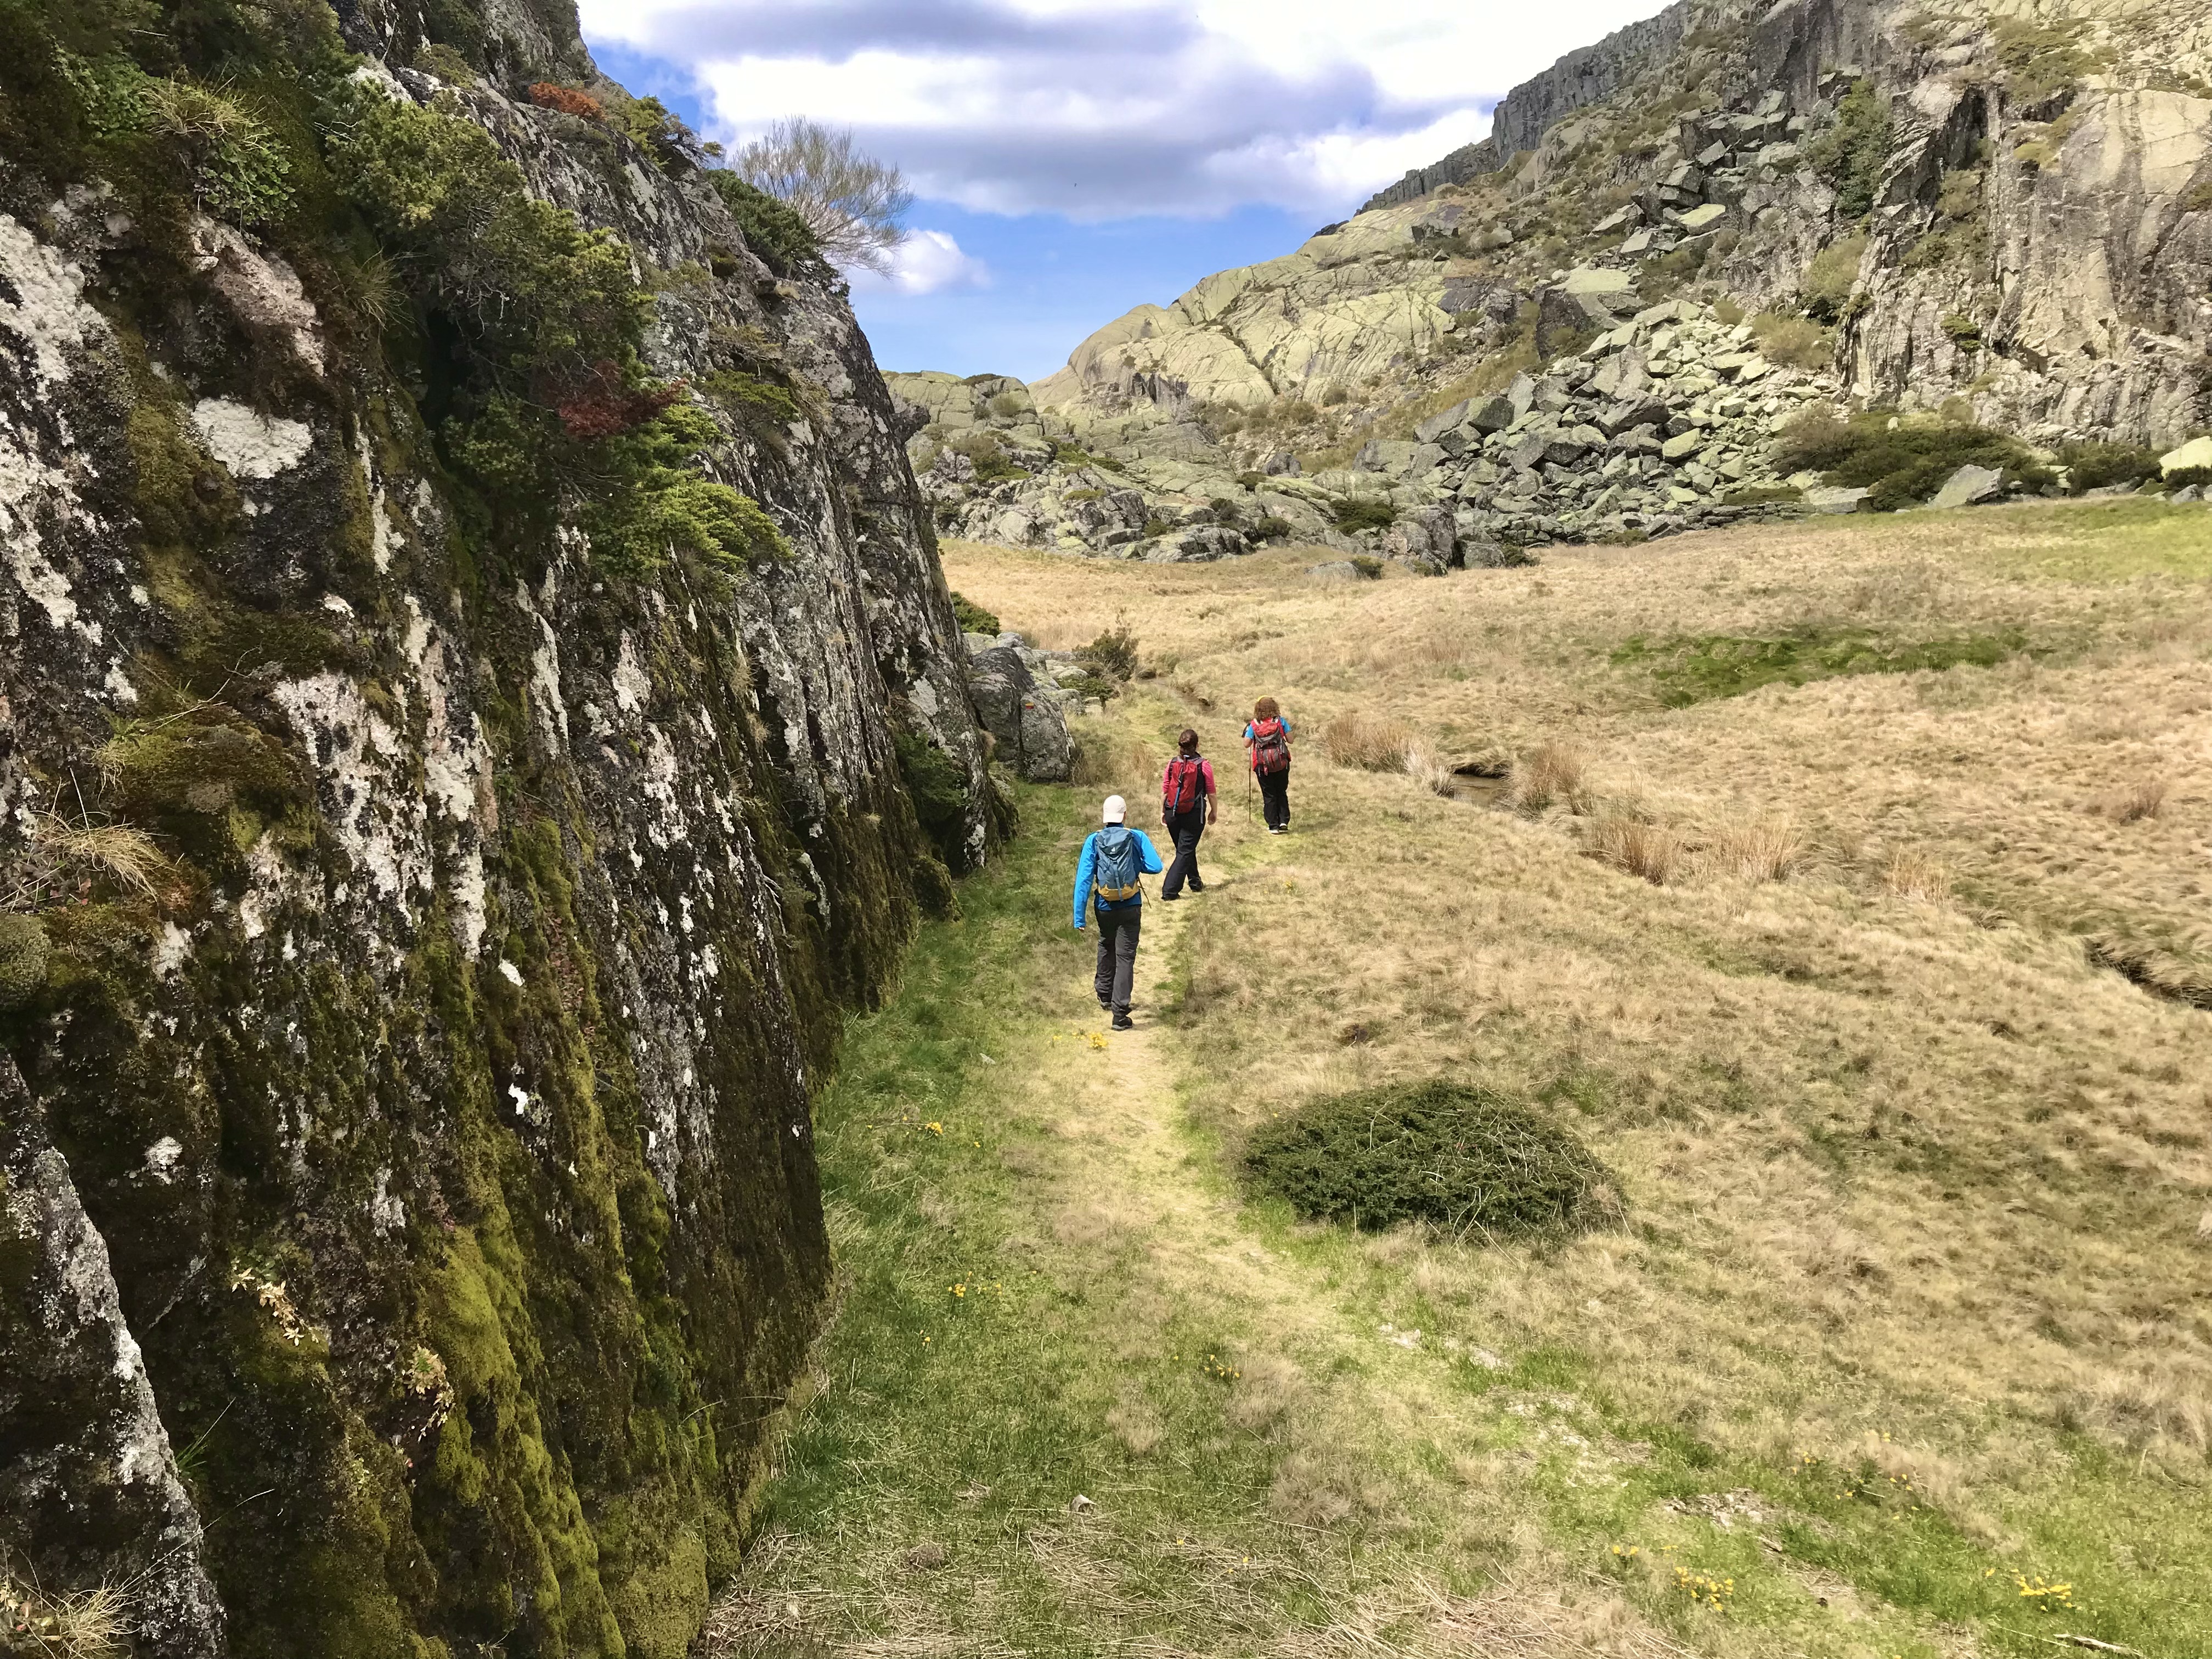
x: 1459, y: 1157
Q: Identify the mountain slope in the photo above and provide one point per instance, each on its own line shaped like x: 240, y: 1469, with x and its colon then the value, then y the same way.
x: 1998, y: 215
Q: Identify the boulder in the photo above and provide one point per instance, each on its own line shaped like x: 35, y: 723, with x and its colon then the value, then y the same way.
x: 1970, y: 486
x: 1280, y: 465
x: 1422, y: 538
x: 1626, y: 414
x: 1682, y: 445
x: 1437, y: 425
x: 2187, y: 493
x: 2197, y: 452
x: 1835, y: 498
x: 1703, y: 218
x: 1492, y: 414
x: 1641, y: 440
x: 1027, y: 720
x: 1527, y: 452
x: 1336, y: 570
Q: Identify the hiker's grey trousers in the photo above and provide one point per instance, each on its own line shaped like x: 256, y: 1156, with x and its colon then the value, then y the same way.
x: 1117, y: 952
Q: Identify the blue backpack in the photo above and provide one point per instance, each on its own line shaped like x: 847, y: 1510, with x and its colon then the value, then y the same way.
x: 1116, y: 866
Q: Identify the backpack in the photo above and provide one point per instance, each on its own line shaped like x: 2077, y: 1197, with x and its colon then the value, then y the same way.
x: 1271, y: 747
x: 1116, y: 866
x: 1184, y: 785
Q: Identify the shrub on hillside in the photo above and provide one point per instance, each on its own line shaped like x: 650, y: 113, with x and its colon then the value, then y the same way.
x: 1111, y: 658
x: 1826, y: 286
x: 1454, y: 1155
x: 1798, y: 342
x: 1854, y: 150
x: 1354, y: 516
x: 2094, y: 466
x: 772, y: 230
x: 973, y: 618
x: 1902, y: 461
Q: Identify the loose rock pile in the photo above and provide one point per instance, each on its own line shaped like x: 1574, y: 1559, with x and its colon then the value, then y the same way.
x: 1661, y: 423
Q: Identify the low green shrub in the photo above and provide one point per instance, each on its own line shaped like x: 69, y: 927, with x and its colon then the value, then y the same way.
x: 1450, y: 1154
x: 2096, y: 465
x: 1354, y: 516
x: 973, y: 618
x: 1902, y: 460
x: 1829, y: 282
x: 1797, y: 342
x: 1269, y: 528
x: 772, y: 229
x: 1853, y: 151
x: 1111, y: 658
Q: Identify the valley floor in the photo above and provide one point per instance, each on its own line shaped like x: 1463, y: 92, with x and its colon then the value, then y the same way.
x: 1904, y: 1345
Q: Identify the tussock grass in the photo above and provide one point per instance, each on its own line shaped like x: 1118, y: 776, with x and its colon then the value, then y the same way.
x: 86, y: 1624
x: 1367, y: 743
x: 2140, y: 798
x: 1911, y: 874
x: 1550, y: 775
x: 1652, y: 851
x: 1761, y: 849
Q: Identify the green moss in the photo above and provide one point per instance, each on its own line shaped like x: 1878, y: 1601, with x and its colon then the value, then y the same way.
x: 23, y: 958
x: 1903, y: 461
x: 1364, y: 514
x: 1693, y: 670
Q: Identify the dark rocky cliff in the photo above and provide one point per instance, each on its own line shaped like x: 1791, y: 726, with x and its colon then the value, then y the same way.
x: 477, y: 700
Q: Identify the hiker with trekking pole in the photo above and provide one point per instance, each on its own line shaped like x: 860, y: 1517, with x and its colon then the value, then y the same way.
x: 1187, y: 807
x: 1268, y: 746
x: 1108, y: 881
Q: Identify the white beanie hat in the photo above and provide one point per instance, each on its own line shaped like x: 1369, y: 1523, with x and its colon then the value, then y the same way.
x: 1117, y: 809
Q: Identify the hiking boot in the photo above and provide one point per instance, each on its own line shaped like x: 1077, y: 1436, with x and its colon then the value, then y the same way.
x: 1123, y: 1023
x: 1198, y: 887
x: 1170, y: 898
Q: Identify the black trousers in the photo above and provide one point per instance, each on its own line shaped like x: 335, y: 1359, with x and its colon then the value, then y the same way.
x: 1275, y: 797
x: 1186, y: 828
x: 1117, y: 952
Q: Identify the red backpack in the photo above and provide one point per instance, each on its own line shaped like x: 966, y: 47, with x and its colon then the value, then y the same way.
x: 1183, y: 786
x: 1271, y: 747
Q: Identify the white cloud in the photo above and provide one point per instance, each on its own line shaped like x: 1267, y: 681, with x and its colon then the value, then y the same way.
x: 927, y: 262
x: 1103, y: 108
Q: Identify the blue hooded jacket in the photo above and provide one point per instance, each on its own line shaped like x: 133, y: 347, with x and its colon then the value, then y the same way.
x: 1148, y: 861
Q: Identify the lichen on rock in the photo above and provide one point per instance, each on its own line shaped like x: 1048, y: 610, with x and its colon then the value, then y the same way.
x: 482, y: 818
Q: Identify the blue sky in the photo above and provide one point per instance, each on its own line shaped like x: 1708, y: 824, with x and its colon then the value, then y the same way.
x: 1072, y: 159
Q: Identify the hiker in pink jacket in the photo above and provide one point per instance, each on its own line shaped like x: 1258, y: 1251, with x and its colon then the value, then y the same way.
x: 1187, y: 807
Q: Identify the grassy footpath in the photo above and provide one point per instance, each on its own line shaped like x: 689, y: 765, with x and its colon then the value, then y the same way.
x: 1080, y: 1398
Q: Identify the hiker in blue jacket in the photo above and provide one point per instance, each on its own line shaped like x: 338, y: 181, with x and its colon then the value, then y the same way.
x: 1106, y: 876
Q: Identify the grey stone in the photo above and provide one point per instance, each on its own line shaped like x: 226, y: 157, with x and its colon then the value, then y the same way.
x: 1969, y: 486
x: 1437, y: 425
x: 1628, y: 413
x: 1336, y: 570
x: 1492, y: 414
x: 1682, y: 445
x: 1030, y: 725
x: 1833, y: 498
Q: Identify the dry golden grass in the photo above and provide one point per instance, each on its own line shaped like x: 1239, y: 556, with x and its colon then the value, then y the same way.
x: 1551, y: 774
x: 1874, y: 1150
x: 2144, y: 797
x: 1650, y: 850
x: 1763, y: 849
x: 1369, y: 745
x: 88, y: 1624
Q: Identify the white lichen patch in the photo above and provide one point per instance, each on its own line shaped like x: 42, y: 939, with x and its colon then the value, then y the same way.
x: 378, y: 818
x: 250, y: 444
x: 48, y: 317
x: 173, y: 947
x: 545, y: 700
x: 163, y: 1158
x: 633, y: 685
x: 509, y: 972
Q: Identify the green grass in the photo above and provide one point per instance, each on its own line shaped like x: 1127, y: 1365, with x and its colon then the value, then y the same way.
x: 1700, y: 668
x: 968, y: 1391
x: 2105, y: 541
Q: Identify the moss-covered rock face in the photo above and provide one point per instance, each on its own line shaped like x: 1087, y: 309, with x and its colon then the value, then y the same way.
x: 450, y: 785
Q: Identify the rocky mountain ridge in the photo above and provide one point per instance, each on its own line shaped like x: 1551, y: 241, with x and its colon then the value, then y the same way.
x: 1979, y: 214
x: 478, y: 702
